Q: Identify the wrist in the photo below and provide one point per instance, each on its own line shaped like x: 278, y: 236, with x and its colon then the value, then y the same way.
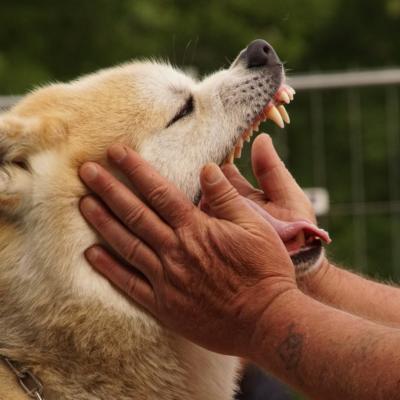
x: 281, y: 312
x: 320, y: 282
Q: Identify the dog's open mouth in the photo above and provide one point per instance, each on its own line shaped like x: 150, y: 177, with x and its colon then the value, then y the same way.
x: 274, y: 111
x: 303, y: 240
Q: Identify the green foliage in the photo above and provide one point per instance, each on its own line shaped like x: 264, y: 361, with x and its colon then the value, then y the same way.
x: 44, y: 40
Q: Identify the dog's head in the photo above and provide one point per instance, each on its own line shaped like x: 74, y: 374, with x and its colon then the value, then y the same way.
x: 174, y: 121
x: 178, y: 123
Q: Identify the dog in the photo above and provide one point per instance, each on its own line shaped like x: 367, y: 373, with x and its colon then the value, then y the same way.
x: 61, y: 320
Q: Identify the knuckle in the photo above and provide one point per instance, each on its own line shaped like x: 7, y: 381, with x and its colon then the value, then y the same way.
x: 102, y: 220
x: 135, y: 170
x: 181, y: 216
x: 224, y: 196
x: 107, y: 187
x: 132, y: 169
x: 130, y: 285
x: 168, y: 244
x: 170, y: 252
x: 130, y: 250
x: 159, y: 196
x: 133, y: 215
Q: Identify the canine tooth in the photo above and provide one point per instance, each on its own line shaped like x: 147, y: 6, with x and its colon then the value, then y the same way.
x: 284, y: 97
x: 238, y: 151
x: 284, y: 114
x: 276, y: 117
x: 246, y: 136
x: 238, y: 147
x: 231, y: 157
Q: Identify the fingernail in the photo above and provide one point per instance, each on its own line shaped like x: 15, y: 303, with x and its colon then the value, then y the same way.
x: 212, y: 174
x: 117, y: 152
x: 88, y: 205
x: 92, y: 254
x: 88, y: 172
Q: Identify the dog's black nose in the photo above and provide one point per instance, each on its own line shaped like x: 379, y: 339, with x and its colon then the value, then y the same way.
x: 259, y: 53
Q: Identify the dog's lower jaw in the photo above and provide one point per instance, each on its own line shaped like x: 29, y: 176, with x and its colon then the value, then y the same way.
x: 307, y: 263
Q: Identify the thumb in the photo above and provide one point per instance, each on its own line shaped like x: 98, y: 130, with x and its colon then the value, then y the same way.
x: 221, y: 197
x: 237, y: 180
x: 274, y: 179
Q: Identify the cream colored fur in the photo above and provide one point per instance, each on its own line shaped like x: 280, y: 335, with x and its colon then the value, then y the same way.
x: 78, y: 334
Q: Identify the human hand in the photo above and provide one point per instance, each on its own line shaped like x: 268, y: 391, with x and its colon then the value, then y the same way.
x: 208, y: 279
x: 280, y: 195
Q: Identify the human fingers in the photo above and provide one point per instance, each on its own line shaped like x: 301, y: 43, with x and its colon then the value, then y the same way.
x: 131, y: 282
x: 237, y: 180
x: 128, y: 246
x: 163, y: 196
x: 272, y: 175
x: 222, y: 198
x: 132, y: 212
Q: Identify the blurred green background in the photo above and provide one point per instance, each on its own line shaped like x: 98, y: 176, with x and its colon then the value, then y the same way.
x: 358, y: 162
x: 46, y: 40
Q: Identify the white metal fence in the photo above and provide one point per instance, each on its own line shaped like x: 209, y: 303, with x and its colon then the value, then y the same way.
x: 319, y: 87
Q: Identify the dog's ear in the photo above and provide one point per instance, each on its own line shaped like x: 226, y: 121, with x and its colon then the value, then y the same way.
x: 21, y: 136
x: 15, y: 190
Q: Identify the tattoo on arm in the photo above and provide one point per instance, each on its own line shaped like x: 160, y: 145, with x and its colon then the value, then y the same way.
x: 290, y: 350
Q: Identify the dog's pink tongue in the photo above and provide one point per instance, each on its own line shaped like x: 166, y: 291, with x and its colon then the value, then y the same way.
x: 288, y: 231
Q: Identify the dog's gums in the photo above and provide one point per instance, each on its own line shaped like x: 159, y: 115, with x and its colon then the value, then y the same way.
x: 274, y: 111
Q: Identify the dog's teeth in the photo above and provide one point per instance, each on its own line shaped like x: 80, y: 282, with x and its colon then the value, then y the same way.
x: 290, y: 93
x: 289, y: 90
x: 257, y: 126
x: 284, y: 97
x: 274, y: 115
x: 246, y: 136
x: 238, y: 151
x: 231, y: 157
x: 238, y: 148
x: 284, y: 114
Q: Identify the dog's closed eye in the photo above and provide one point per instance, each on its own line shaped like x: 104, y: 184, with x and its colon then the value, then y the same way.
x: 183, y: 112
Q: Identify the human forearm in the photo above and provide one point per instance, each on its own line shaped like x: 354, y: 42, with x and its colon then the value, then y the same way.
x: 327, y: 353
x: 353, y: 293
